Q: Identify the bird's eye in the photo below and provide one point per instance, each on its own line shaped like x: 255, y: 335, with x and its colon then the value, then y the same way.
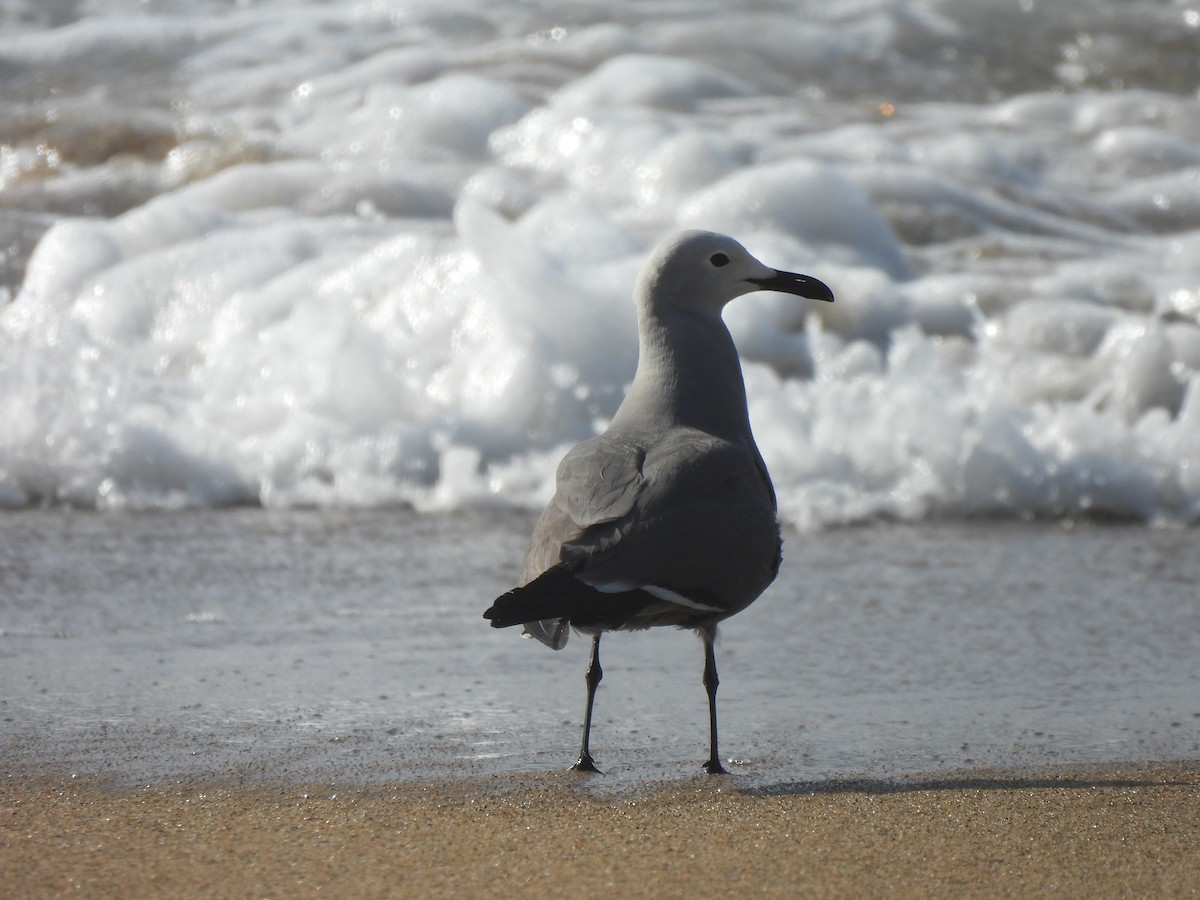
x: 719, y: 259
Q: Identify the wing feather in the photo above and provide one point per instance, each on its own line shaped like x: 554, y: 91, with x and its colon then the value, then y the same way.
x: 600, y: 480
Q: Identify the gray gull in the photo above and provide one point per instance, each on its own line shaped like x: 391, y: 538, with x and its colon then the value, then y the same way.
x: 669, y: 516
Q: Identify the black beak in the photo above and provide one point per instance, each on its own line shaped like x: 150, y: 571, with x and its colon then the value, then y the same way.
x: 791, y: 283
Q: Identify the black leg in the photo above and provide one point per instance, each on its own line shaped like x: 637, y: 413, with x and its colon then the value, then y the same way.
x: 585, y: 762
x: 713, y: 766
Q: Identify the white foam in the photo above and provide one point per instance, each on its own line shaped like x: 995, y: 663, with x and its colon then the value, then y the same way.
x: 365, y: 254
x: 662, y: 82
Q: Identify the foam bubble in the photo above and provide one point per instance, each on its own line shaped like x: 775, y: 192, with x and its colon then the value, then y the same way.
x: 662, y: 82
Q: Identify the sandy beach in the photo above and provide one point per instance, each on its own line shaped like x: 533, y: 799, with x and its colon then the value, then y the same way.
x: 1114, y: 831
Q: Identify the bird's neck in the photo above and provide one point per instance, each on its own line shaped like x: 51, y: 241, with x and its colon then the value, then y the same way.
x: 688, y: 374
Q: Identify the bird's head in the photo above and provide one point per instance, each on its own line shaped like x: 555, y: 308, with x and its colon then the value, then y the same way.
x: 701, y: 271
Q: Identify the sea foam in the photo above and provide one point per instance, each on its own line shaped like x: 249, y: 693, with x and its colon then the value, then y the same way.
x: 370, y: 254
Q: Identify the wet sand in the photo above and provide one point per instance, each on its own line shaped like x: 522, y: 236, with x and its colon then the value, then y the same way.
x: 1113, y: 831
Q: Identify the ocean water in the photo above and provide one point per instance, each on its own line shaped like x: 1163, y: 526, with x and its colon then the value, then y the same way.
x: 301, y: 303
x: 349, y: 646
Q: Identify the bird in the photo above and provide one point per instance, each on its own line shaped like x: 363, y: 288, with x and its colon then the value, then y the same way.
x: 669, y: 516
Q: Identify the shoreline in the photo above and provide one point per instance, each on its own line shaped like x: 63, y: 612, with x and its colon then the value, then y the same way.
x: 1103, y: 830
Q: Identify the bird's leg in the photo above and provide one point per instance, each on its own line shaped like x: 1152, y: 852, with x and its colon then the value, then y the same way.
x: 585, y: 762
x: 713, y: 766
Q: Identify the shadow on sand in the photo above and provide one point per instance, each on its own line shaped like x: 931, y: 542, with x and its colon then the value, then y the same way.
x: 1175, y: 773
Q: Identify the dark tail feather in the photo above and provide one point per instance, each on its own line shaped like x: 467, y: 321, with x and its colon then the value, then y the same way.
x: 550, y: 596
x: 556, y: 594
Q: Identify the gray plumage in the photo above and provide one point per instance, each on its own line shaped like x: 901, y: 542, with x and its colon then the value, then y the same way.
x: 669, y: 516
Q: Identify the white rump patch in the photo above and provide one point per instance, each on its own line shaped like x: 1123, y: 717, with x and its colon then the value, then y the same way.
x: 671, y: 596
x: 662, y: 593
